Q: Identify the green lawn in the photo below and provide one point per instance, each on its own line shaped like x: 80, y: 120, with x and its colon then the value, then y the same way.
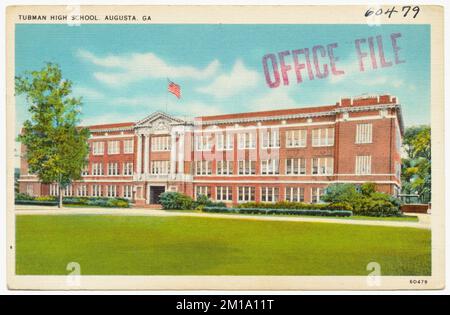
x: 123, y: 245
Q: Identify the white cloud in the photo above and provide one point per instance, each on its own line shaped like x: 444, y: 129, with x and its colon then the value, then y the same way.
x: 239, y: 79
x: 87, y: 92
x: 274, y: 99
x: 125, y: 69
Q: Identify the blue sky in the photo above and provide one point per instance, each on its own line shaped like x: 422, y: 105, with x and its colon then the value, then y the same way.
x: 121, y: 70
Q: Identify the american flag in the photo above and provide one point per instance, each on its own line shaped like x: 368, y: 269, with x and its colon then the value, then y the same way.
x: 174, y: 89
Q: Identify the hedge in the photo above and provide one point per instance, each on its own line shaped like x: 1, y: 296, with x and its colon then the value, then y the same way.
x: 296, y: 205
x: 35, y: 202
x: 88, y: 201
x: 311, y: 212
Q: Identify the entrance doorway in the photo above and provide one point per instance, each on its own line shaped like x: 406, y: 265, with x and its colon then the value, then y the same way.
x: 155, y: 191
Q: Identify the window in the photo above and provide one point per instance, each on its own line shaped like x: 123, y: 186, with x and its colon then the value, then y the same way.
x: 127, y: 191
x: 246, y: 193
x: 97, y: 191
x: 85, y: 171
x: 30, y: 191
x: 398, y: 139
x: 82, y: 191
x: 322, y: 166
x: 316, y: 194
x: 269, y: 194
x: 270, y: 139
x: 363, y: 164
x: 296, y: 138
x: 54, y: 190
x: 269, y: 167
x: 224, y: 193
x: 160, y: 167
x: 113, y: 168
x: 98, y: 148
x: 112, y: 191
x: 295, y: 194
x: 68, y: 191
x: 363, y: 133
x: 113, y: 147
x: 203, y: 167
x: 247, y: 167
x: 203, y: 191
x: 247, y: 140
x: 202, y: 143
x: 398, y: 170
x: 224, y: 167
x: 224, y: 141
x: 323, y: 137
x: 128, y: 168
x: 128, y: 146
x: 296, y: 166
x: 161, y: 143
x: 97, y: 169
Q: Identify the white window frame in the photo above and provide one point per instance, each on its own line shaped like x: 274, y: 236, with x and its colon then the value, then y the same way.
x: 128, y: 146
x: 202, y: 190
x: 98, y: 148
x: 127, y: 168
x: 112, y: 191
x: 161, y: 143
x: 325, y: 166
x: 224, y: 142
x: 270, y: 167
x: 247, y: 167
x: 97, y: 191
x: 270, y: 194
x: 202, y: 142
x: 363, y: 133
x: 316, y: 194
x: 160, y: 167
x: 363, y: 165
x: 203, y: 168
x: 248, y: 193
x: 298, y: 162
x: 128, y: 191
x: 296, y: 138
x: 247, y: 140
x: 270, y: 138
x: 113, y: 169
x: 296, y: 194
x: 323, y: 137
x: 226, y: 191
x: 224, y: 167
x: 113, y: 147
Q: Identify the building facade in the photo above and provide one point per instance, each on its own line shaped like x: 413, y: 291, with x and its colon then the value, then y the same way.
x: 291, y: 154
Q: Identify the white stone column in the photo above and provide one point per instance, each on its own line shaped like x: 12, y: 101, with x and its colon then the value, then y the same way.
x: 139, y: 154
x: 173, y: 152
x: 146, y: 153
x: 181, y: 154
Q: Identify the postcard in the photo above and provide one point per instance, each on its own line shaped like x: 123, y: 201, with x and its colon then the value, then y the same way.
x: 225, y: 147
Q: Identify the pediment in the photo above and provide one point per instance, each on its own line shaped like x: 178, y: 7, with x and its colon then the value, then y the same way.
x: 157, y: 122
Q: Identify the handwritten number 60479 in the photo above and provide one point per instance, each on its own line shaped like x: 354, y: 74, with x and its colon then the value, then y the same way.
x: 405, y: 10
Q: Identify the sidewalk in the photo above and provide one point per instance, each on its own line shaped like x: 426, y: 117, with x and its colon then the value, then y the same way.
x: 424, y: 219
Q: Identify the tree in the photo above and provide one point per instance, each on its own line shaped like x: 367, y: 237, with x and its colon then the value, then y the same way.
x: 416, y: 167
x: 56, y: 149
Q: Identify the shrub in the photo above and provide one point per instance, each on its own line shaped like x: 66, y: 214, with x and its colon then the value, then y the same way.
x: 375, y: 208
x: 45, y: 198
x: 23, y: 196
x: 312, y: 212
x: 367, y: 189
x: 176, y: 201
x: 341, y: 193
x: 296, y: 205
x: 35, y: 202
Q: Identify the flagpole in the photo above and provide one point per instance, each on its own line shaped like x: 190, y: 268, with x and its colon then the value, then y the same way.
x: 167, y: 94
